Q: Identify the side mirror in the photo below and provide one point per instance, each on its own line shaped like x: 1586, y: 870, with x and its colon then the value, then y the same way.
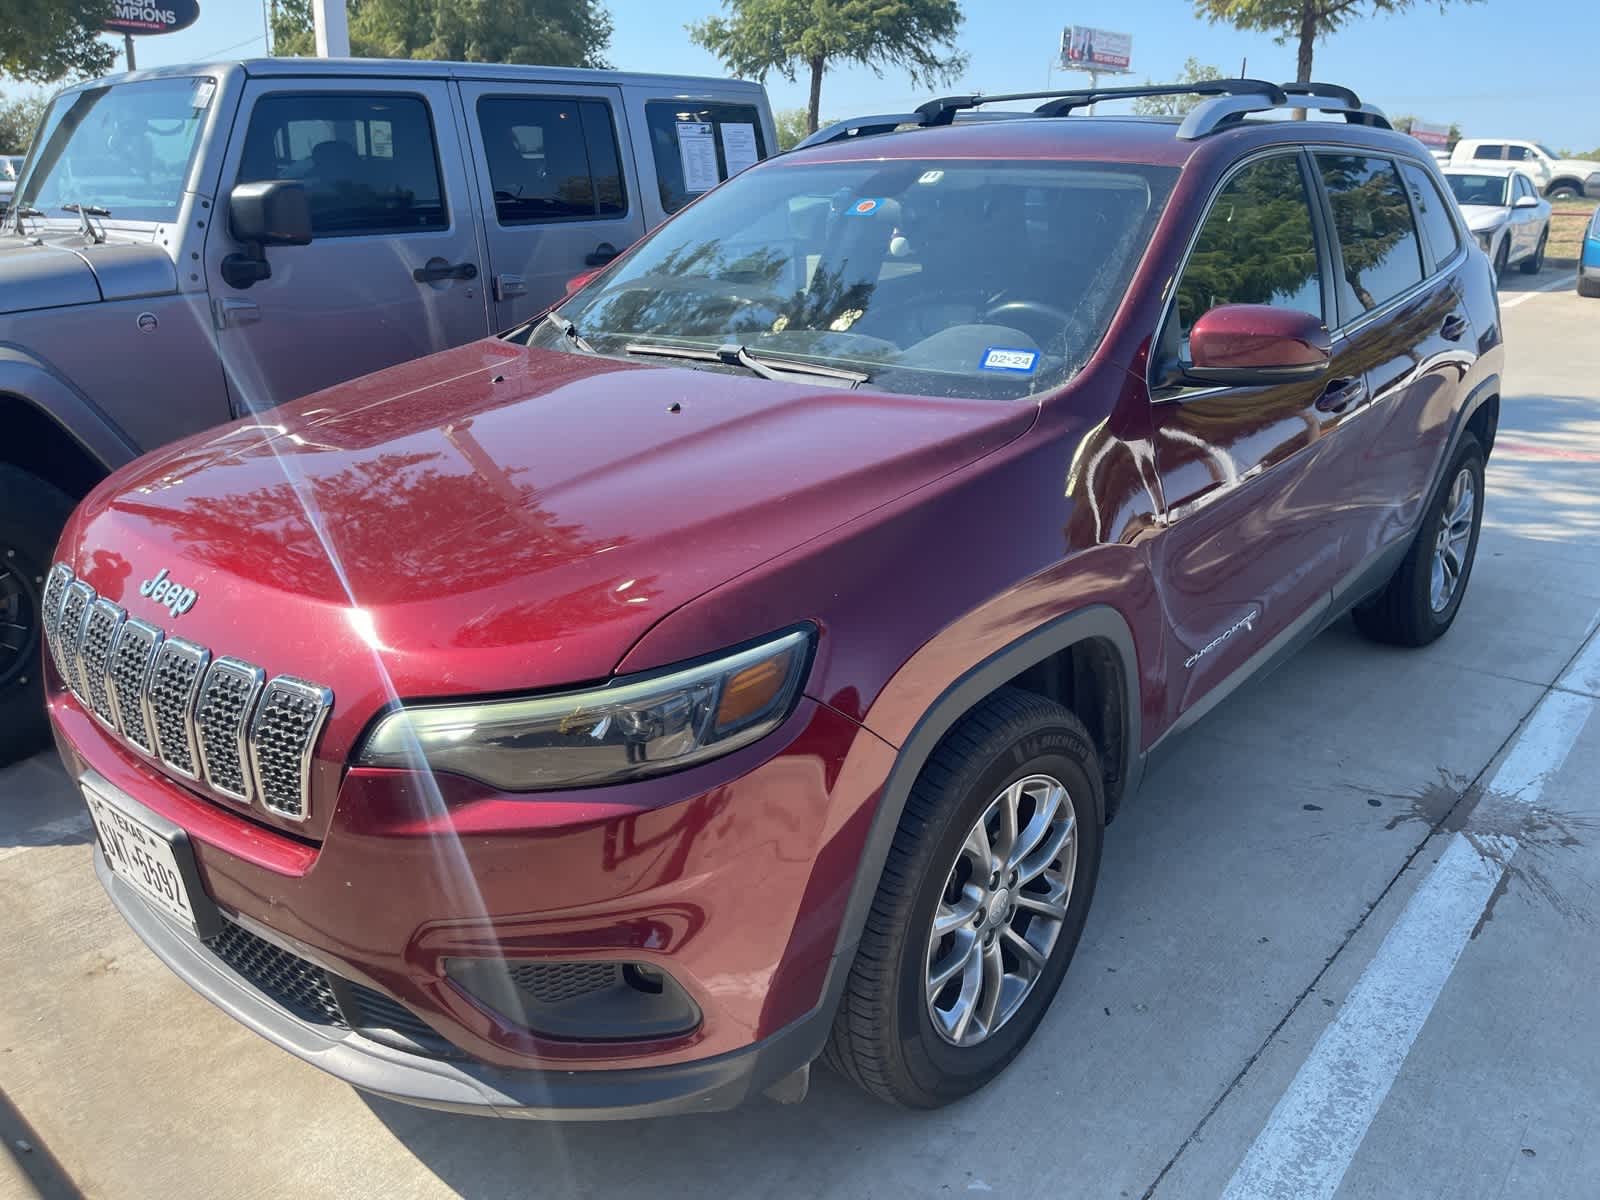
x: 1526, y: 202
x: 274, y: 212
x: 1254, y: 345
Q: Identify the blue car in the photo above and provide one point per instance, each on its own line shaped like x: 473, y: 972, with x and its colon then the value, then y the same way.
x: 1589, y: 259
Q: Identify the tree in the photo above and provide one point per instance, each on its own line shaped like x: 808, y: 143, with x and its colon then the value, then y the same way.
x: 43, y: 40
x: 18, y: 119
x: 1194, y: 71
x: 762, y: 36
x: 1300, y: 21
x: 556, y: 33
x: 791, y: 123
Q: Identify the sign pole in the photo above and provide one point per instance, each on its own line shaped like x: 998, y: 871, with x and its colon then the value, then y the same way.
x: 333, y: 28
x: 127, y: 47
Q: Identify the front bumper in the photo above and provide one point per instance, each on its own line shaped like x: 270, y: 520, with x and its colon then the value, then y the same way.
x: 732, y: 878
x: 703, y: 1085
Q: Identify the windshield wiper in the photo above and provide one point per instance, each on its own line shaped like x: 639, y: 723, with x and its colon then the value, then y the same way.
x: 764, y: 365
x: 86, y: 226
x: 570, y: 332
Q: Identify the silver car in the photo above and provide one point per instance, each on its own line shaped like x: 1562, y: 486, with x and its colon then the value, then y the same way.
x: 155, y: 276
x: 1505, y: 213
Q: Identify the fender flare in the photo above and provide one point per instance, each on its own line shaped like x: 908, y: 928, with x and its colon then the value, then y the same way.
x: 1098, y: 621
x: 38, y: 385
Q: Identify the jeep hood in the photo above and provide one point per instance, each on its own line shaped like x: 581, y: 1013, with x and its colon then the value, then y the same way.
x: 496, y: 519
x: 55, y: 273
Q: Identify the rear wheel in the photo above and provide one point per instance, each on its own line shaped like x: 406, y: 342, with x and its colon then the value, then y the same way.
x: 1420, y: 601
x: 1588, y: 287
x: 982, y: 902
x: 32, y: 513
x: 1532, y: 266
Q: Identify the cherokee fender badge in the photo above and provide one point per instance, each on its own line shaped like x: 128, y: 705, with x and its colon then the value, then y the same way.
x: 176, y: 598
x: 1246, y: 623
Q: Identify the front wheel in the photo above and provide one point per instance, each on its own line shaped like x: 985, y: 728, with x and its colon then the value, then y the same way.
x: 1423, y: 596
x: 1532, y: 266
x: 1563, y: 191
x: 1502, y: 257
x: 982, y: 901
x: 32, y: 513
x: 1588, y: 287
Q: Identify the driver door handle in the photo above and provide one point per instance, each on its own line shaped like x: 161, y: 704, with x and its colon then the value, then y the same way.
x: 1342, y: 395
x: 436, y: 271
x: 1455, y: 325
x: 601, y: 254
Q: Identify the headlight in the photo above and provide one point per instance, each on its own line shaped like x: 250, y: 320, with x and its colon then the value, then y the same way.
x: 624, y: 730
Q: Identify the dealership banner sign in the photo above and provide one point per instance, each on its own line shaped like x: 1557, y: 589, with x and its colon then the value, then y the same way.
x: 1090, y: 49
x: 144, y: 17
x: 1435, y: 137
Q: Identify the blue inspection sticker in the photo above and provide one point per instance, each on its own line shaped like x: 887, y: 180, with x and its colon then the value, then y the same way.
x: 999, y: 358
x: 864, y: 207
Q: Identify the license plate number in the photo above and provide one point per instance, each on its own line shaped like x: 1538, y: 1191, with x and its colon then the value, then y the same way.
x: 140, y: 857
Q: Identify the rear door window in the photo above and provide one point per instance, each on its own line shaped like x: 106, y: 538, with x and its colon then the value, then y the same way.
x: 551, y: 159
x: 1381, y: 254
x: 369, y: 163
x: 1433, y: 212
x: 1256, y: 245
x: 1488, y: 151
x: 1518, y: 153
x: 697, y: 145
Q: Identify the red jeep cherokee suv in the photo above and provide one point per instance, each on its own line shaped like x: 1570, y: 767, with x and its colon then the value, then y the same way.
x: 740, y: 664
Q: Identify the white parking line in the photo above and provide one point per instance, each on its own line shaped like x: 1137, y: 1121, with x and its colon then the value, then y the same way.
x: 1317, y: 1126
x: 1555, y: 285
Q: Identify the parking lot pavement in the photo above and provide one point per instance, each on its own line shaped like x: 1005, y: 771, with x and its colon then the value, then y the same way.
x: 1285, y: 912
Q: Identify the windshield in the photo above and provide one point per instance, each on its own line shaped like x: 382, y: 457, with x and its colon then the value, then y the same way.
x: 1546, y: 151
x: 124, y: 149
x: 990, y: 279
x: 1479, y: 189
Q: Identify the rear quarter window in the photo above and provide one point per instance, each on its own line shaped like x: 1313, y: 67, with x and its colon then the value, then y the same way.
x: 697, y: 144
x: 1433, y: 212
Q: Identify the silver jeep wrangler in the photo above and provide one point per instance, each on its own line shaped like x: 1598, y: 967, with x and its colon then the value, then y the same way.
x: 155, y: 276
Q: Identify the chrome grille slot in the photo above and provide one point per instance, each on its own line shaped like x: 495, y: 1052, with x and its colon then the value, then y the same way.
x: 222, y: 716
x: 55, y: 592
x: 94, y: 657
x: 219, y: 722
x: 131, y: 657
x: 74, y: 607
x: 287, y: 723
x: 170, y: 692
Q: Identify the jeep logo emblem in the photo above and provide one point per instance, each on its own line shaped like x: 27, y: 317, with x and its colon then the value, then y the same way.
x: 162, y: 590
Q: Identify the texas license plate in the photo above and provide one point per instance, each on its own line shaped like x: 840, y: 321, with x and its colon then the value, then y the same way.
x: 139, y: 854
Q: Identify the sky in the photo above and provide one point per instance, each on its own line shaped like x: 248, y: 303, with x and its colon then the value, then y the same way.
x: 1500, y: 68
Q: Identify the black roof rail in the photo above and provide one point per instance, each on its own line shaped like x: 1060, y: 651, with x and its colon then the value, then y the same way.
x: 1059, y: 103
x: 1227, y: 101
x: 1211, y: 115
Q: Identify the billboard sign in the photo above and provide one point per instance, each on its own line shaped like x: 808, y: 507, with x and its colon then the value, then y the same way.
x: 1088, y: 49
x: 1435, y: 137
x: 144, y: 17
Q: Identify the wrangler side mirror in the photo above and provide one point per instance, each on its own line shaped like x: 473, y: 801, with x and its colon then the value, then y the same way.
x: 273, y: 212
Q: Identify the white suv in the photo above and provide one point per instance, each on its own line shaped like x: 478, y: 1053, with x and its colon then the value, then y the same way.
x: 1555, y: 176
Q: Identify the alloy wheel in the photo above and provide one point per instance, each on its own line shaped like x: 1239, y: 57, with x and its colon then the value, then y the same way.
x: 1002, y: 910
x: 1451, y: 539
x: 19, y: 608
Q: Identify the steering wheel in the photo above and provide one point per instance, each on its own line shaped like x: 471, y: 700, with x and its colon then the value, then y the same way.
x: 1044, y: 322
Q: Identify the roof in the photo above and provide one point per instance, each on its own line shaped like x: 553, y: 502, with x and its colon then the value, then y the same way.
x: 405, y: 68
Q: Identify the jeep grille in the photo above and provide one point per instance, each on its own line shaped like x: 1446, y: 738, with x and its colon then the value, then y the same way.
x: 220, y: 722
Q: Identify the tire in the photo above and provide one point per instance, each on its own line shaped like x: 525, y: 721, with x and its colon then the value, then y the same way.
x: 1535, y: 264
x: 884, y: 1037
x: 32, y: 513
x: 1589, y: 287
x: 1406, y: 611
x: 1563, y: 191
x: 1502, y: 258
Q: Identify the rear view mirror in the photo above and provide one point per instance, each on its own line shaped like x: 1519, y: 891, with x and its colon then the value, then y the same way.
x: 1256, y: 344
x: 273, y: 212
